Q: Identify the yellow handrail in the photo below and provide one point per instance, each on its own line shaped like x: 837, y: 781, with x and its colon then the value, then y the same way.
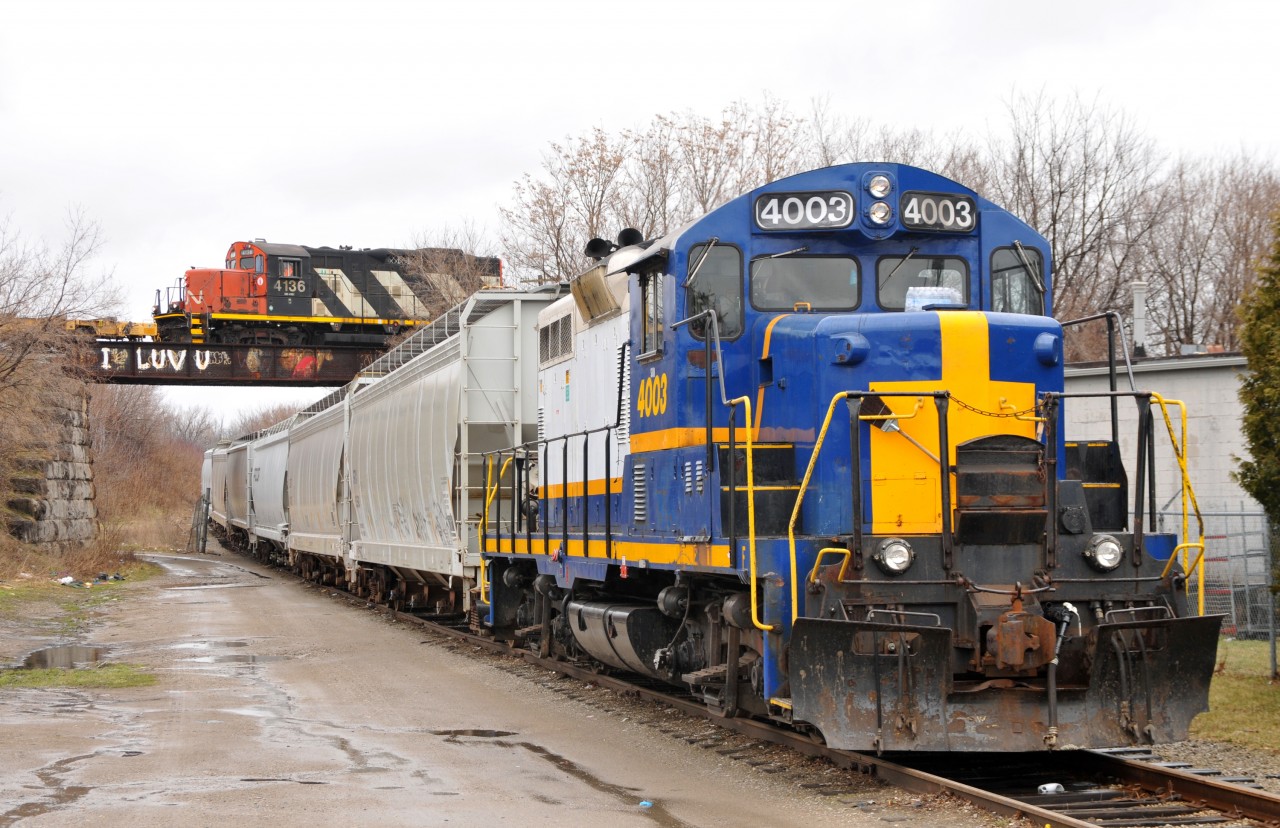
x: 490, y: 491
x: 484, y: 521
x: 804, y: 485
x: 1005, y: 405
x: 751, y: 511
x: 1188, y: 497
x: 833, y: 550
x: 871, y: 418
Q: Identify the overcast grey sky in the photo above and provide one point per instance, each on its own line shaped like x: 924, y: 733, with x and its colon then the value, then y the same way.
x: 183, y: 126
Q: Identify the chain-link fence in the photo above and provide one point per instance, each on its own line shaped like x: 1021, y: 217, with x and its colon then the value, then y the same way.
x: 1238, y: 573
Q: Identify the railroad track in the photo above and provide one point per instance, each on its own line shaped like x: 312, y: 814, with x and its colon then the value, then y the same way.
x: 1113, y: 789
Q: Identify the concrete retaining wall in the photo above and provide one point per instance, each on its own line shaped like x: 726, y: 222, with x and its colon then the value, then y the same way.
x: 53, y: 489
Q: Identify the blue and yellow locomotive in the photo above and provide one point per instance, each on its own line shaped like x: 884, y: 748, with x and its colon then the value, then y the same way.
x: 807, y: 457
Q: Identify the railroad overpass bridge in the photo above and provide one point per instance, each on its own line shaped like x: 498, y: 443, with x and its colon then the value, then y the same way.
x: 177, y: 363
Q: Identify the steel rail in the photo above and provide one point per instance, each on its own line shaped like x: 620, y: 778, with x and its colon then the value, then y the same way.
x: 1231, y: 799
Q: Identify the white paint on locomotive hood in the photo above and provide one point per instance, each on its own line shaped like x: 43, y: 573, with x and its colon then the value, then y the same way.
x: 593, y: 365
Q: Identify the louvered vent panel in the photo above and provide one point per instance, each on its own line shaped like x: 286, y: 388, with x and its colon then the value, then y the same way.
x: 640, y: 482
x: 624, y: 414
x: 566, y: 335
x: 555, y: 340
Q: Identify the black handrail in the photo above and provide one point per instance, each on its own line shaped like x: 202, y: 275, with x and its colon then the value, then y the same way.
x: 531, y: 449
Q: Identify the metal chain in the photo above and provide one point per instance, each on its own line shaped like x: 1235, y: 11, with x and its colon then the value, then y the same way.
x: 1034, y: 409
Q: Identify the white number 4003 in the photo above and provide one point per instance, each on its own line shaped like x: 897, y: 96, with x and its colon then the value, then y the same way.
x: 804, y: 211
x: 938, y: 212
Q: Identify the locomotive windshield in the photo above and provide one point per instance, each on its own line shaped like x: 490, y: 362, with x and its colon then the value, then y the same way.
x: 818, y: 282
x: 1016, y: 285
x: 717, y: 286
x: 895, y: 275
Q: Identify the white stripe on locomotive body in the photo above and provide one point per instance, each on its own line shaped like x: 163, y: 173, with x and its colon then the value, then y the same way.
x: 579, y: 391
x: 268, y: 459
x: 317, y: 500
x: 344, y: 290
x: 404, y: 302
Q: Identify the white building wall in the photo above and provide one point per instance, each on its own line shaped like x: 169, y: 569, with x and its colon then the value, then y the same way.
x: 1209, y: 385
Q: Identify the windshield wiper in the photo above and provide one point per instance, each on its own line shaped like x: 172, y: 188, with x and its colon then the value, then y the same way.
x: 1026, y: 264
x: 712, y: 242
x: 899, y: 265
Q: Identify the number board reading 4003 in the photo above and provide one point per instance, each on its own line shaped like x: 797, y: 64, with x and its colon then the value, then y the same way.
x: 943, y: 212
x: 804, y: 211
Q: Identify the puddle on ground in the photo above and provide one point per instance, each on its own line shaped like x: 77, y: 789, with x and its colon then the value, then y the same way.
x: 252, y: 712
x: 235, y: 658
x: 64, y: 657
x: 207, y: 645
x: 484, y: 734
x: 208, y: 586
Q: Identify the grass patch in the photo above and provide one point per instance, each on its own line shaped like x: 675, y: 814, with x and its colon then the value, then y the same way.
x: 1244, y: 704
x: 20, y: 591
x: 106, y: 676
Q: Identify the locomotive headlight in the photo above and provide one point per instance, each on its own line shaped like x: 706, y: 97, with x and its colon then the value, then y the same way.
x: 1104, y: 553
x: 880, y: 212
x: 894, y: 556
x: 879, y: 186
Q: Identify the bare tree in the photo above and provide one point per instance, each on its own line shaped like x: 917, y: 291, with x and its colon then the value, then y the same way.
x: 1079, y: 172
x: 40, y: 286
x: 1086, y: 179
x: 1201, y: 257
x: 577, y: 198
x: 654, y: 203
x: 680, y: 166
x: 446, y: 266
x: 257, y: 419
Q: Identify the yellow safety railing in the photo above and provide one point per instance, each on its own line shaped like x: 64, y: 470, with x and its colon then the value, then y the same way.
x: 490, y: 491
x: 1018, y: 415
x: 745, y: 402
x: 804, y: 485
x: 831, y: 550
x: 1188, y: 499
x: 875, y: 418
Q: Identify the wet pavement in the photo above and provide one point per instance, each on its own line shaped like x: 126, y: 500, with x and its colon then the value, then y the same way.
x: 279, y: 704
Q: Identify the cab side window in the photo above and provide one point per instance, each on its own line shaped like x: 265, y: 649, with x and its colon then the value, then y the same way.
x: 652, y: 321
x: 1017, y: 280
